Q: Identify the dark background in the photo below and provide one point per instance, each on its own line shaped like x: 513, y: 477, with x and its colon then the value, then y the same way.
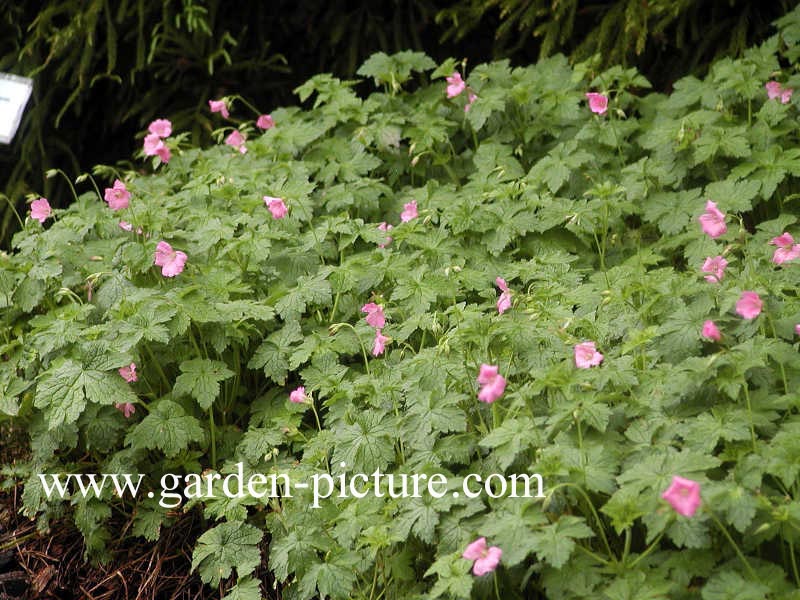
x: 103, y: 69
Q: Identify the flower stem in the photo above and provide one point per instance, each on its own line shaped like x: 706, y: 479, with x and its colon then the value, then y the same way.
x: 14, y: 210
x: 591, y: 508
x: 750, y: 416
x: 734, y: 545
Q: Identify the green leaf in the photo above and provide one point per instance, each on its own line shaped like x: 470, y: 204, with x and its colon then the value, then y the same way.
x: 200, y: 379
x: 245, y: 589
x: 64, y: 389
x: 365, y: 445
x: 273, y: 353
x: 729, y: 585
x: 167, y: 428
x: 555, y: 542
x: 224, y: 547
x: 333, y: 580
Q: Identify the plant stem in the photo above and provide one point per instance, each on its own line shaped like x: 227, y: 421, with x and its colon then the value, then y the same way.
x: 14, y: 210
x: 750, y: 416
x: 734, y: 545
x: 213, y: 431
x: 591, y: 508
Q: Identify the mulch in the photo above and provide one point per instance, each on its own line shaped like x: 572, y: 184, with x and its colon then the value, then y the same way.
x: 51, y: 565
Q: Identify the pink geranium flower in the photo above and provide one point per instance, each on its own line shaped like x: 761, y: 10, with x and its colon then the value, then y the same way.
x: 409, y: 211
x: 472, y: 97
x: 298, y: 396
x: 713, y: 220
x: 385, y: 227
x: 126, y: 408
x: 160, y: 127
x: 492, y: 384
x: 125, y: 225
x: 171, y: 261
x: 154, y: 146
x: 749, y: 305
x: 711, y: 332
x: 40, y: 210
x: 504, y: 301
x: 129, y: 373
x: 455, y: 85
x: 797, y: 329
x: 380, y: 343
x: 787, y: 250
x: 265, y: 122
x: 586, y: 355
x: 716, y: 267
x: 375, y: 317
x: 118, y: 196
x: 485, y: 558
x: 776, y: 90
x: 276, y: 206
x: 683, y: 495
x: 598, y: 103
x: 236, y: 140
x: 219, y: 106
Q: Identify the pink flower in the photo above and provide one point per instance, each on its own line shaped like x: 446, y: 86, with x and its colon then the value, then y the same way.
x: 375, y: 317
x: 125, y: 225
x: 40, y: 210
x: 129, y: 373
x: 409, y: 211
x: 711, y: 332
x: 118, y: 197
x: 598, y: 103
x: 683, y: 495
x: 797, y: 329
x: 504, y: 301
x: 126, y: 408
x: 220, y: 107
x: 787, y: 249
x: 471, y: 101
x: 749, y: 305
x: 276, y: 206
x: 298, y: 396
x: 455, y: 85
x: 713, y: 220
x: 715, y: 266
x: 486, y: 559
x: 265, y: 122
x: 154, y: 145
x: 171, y: 261
x: 776, y: 90
x: 236, y: 140
x: 773, y: 89
x: 380, y: 343
x: 493, y: 384
x: 586, y: 355
x: 385, y: 227
x: 160, y: 127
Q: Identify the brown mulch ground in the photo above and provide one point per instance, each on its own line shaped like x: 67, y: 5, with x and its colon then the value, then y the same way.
x: 51, y: 566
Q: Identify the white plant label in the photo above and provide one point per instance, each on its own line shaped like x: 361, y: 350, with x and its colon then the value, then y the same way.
x: 14, y: 94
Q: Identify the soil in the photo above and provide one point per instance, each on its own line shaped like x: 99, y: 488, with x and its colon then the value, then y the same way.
x: 51, y: 565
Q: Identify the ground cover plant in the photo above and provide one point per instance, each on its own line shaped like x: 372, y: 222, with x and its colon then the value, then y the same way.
x: 539, y: 270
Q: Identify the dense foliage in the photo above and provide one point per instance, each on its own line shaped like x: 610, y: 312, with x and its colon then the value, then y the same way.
x: 104, y: 69
x: 576, y: 251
